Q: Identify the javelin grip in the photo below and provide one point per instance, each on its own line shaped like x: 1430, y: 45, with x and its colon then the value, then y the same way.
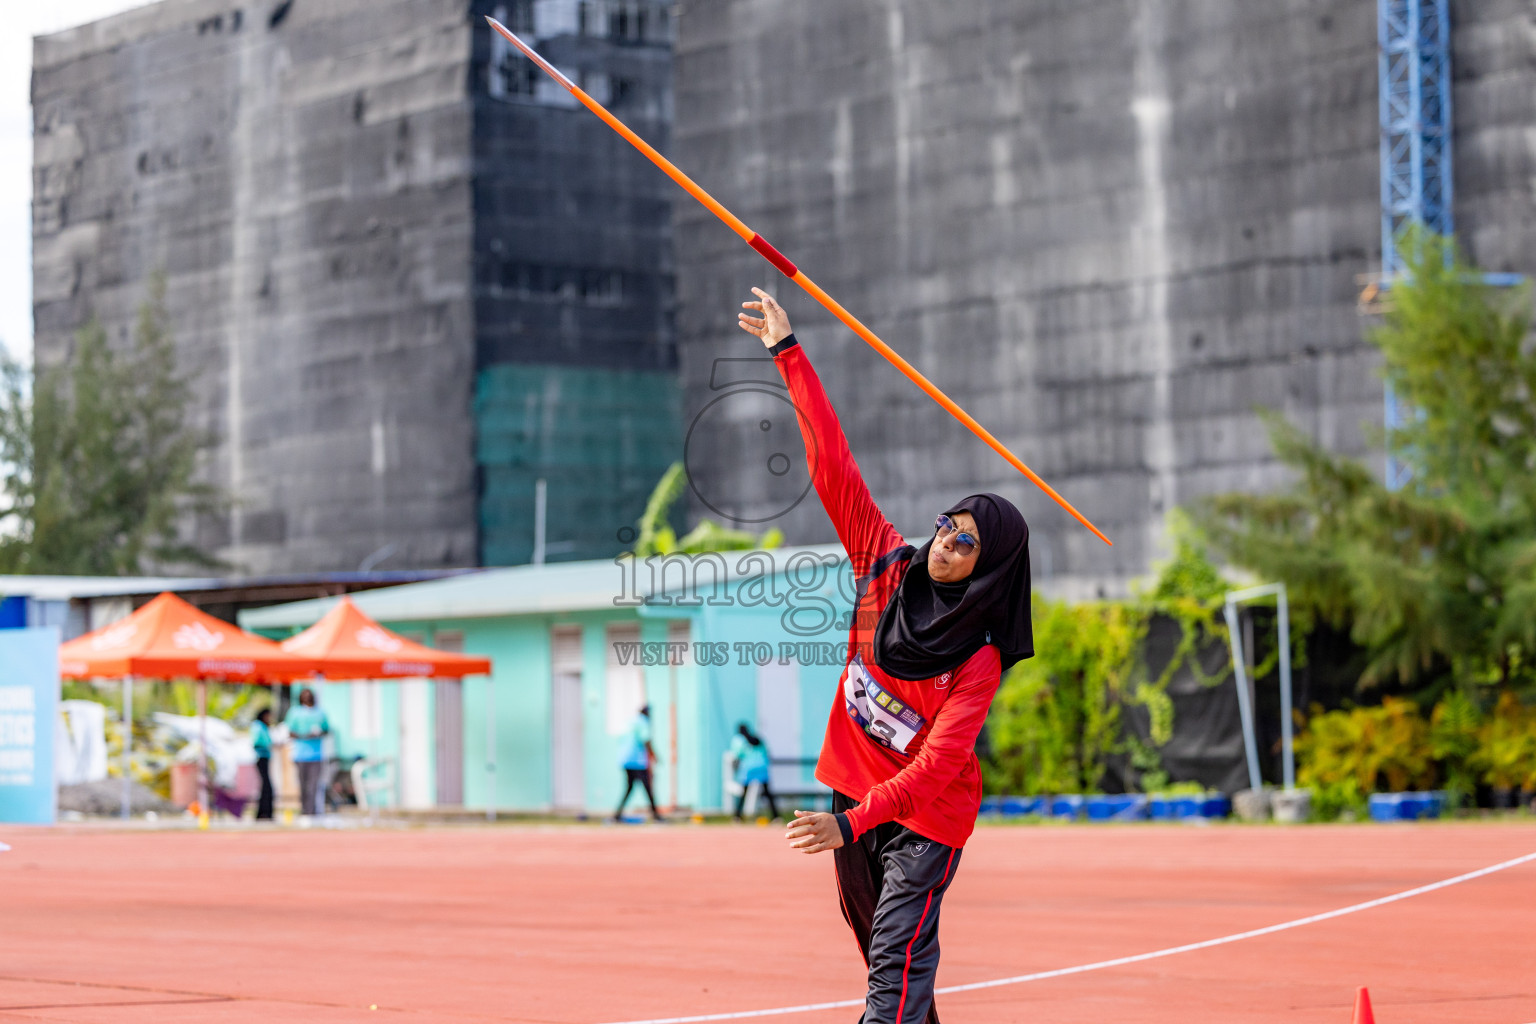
x: 773, y: 256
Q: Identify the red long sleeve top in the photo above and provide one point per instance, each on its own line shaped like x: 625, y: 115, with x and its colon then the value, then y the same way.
x: 905, y: 750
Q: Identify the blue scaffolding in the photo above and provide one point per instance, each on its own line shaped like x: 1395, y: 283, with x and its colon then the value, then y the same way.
x: 1414, y: 63
x: 1414, y: 66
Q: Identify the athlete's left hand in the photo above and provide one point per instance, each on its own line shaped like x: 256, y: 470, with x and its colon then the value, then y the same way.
x: 814, y: 832
x: 773, y: 327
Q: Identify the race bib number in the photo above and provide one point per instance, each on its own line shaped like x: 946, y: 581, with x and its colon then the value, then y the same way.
x: 884, y: 719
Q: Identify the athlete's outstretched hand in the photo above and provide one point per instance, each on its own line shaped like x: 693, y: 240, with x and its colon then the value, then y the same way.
x: 773, y: 327
x: 814, y: 831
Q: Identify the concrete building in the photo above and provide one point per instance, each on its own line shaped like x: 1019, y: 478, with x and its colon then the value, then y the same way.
x: 408, y: 280
x: 413, y: 279
x: 1109, y: 229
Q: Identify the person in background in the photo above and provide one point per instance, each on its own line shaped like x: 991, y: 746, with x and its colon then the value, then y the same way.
x: 749, y: 758
x: 638, y: 758
x: 261, y: 740
x: 308, y: 726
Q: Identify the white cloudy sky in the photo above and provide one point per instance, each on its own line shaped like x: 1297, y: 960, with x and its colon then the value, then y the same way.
x: 23, y: 20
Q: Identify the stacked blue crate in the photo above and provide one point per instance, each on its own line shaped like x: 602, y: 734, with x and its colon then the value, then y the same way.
x: 1406, y: 806
x: 1105, y: 807
x: 1118, y: 807
x: 1069, y: 807
x: 1180, y: 808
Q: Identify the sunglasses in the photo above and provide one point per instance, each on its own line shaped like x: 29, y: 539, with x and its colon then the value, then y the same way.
x: 944, y: 526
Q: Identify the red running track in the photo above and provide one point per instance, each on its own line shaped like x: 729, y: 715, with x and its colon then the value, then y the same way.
x: 588, y: 925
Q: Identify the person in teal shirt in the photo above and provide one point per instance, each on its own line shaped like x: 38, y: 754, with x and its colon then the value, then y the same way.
x: 261, y: 740
x: 638, y: 757
x: 308, y: 727
x: 749, y: 754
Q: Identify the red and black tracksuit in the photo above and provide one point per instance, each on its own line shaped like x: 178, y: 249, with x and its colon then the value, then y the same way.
x: 898, y: 754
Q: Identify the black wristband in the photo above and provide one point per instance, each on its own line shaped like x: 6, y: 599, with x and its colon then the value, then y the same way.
x: 783, y: 346
x: 845, y: 828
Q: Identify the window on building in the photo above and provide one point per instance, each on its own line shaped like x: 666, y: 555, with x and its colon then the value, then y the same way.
x: 625, y: 21
x: 597, y: 84
x: 602, y: 287
x: 592, y: 18
x: 510, y: 74
x: 517, y: 15
x: 592, y: 286
x: 513, y: 75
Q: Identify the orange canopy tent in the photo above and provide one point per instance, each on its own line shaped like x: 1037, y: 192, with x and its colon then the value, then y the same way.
x: 347, y: 644
x: 170, y: 639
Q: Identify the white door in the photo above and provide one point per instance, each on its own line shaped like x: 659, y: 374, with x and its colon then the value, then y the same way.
x: 624, y: 678
x: 567, y: 752
x: 778, y: 720
x: 416, y: 789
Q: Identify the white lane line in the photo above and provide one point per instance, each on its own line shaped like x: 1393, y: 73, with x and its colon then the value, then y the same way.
x: 1121, y: 961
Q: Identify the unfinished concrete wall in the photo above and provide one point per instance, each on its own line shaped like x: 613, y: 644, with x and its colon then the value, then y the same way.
x: 1108, y: 229
x: 1493, y: 67
x: 301, y: 171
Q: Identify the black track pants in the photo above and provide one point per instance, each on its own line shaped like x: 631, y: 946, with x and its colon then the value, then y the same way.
x: 264, y: 801
x: 741, y: 800
x: 632, y: 776
x: 891, y: 883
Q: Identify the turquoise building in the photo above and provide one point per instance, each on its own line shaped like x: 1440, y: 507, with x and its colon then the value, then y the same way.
x: 706, y: 640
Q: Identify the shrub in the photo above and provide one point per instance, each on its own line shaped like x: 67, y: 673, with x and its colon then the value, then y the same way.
x: 1346, y: 755
x: 1506, y: 745
x: 1454, y: 727
x: 1056, y: 716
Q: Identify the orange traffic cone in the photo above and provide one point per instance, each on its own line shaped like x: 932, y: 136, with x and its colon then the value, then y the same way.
x: 1363, y: 1014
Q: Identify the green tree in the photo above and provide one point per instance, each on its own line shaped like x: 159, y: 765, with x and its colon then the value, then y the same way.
x: 656, y: 537
x: 99, y: 458
x: 1435, y: 580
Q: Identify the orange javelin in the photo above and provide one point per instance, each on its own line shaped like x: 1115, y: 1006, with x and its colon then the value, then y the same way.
x: 794, y: 273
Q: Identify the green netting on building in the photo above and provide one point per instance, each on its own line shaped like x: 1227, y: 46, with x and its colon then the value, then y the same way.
x: 600, y: 439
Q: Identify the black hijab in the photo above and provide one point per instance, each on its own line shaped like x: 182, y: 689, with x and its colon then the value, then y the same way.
x: 928, y: 627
